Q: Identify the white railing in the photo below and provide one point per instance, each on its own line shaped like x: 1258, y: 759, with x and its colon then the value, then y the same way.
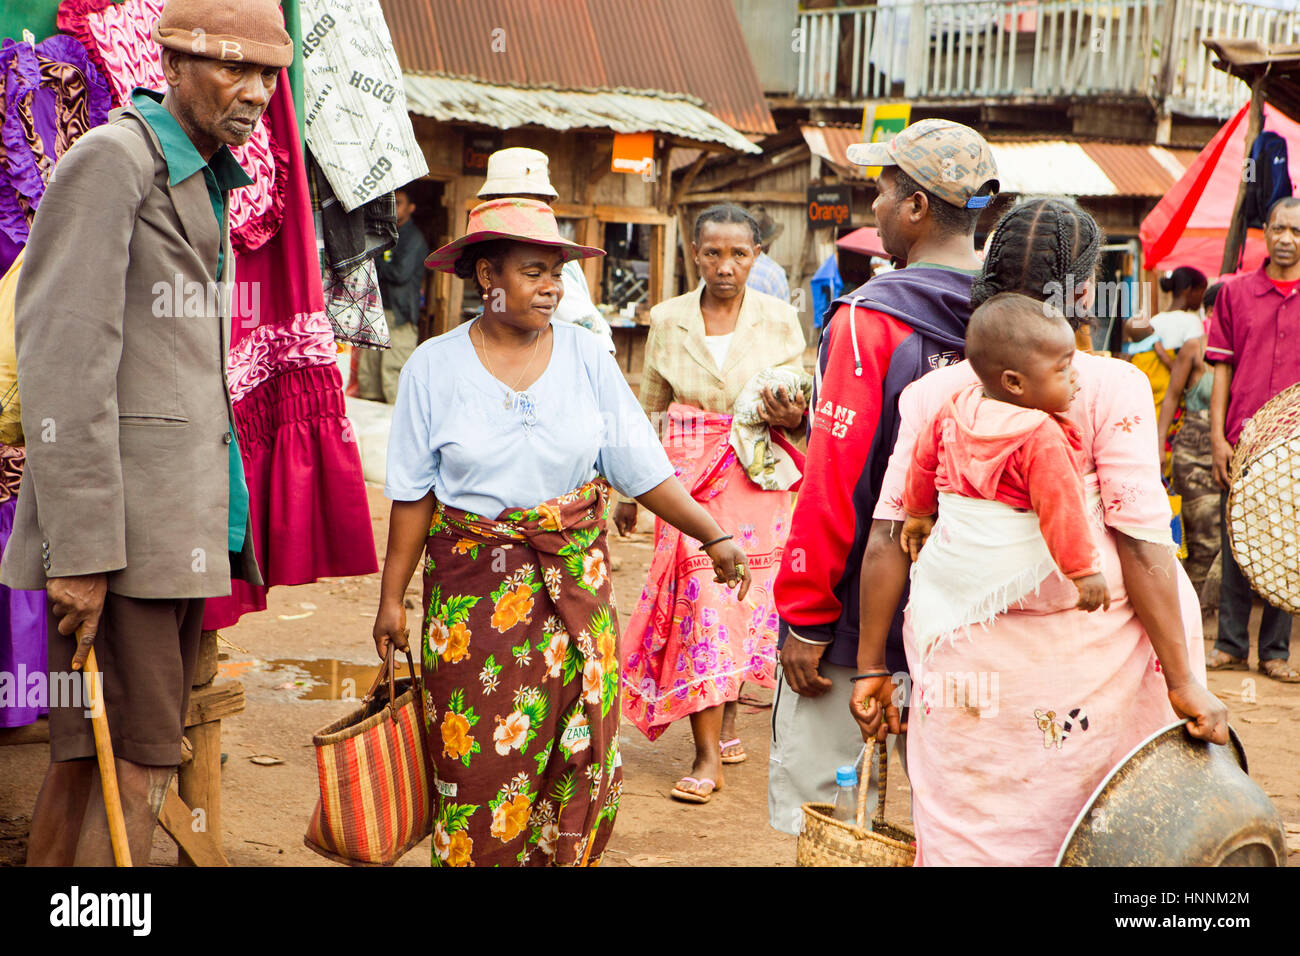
x: 1025, y: 49
x: 869, y: 69
x: 1195, y: 86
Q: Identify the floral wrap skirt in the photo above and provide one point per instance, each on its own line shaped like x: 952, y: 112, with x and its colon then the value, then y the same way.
x: 520, y: 664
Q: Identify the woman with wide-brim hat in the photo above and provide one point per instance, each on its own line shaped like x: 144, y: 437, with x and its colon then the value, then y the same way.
x: 520, y: 172
x: 506, y: 436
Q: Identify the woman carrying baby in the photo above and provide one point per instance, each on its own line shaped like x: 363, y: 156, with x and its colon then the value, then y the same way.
x: 1013, y: 724
x: 1000, y: 461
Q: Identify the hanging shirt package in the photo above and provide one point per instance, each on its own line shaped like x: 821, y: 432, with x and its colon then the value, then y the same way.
x: 357, y: 125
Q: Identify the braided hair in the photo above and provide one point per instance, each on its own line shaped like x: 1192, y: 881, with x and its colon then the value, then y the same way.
x: 1042, y: 248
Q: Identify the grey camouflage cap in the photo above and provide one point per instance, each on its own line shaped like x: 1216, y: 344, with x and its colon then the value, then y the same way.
x: 950, y: 160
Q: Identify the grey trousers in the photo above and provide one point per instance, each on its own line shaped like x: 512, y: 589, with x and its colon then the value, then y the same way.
x: 811, y: 737
x: 377, y: 371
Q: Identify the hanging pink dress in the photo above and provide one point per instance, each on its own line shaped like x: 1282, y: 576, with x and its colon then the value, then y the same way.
x: 1012, y: 727
x: 307, y: 498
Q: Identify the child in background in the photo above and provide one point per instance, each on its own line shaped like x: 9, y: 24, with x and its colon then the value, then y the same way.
x: 1155, y: 342
x: 999, y: 464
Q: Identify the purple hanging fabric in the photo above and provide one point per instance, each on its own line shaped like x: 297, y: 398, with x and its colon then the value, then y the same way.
x: 22, y: 615
x: 52, y: 94
x: 22, y: 74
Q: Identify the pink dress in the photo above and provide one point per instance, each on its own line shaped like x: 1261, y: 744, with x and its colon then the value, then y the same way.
x: 1013, y: 727
x: 690, y: 644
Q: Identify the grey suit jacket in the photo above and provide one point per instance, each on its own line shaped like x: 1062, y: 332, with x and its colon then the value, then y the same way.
x: 125, y: 405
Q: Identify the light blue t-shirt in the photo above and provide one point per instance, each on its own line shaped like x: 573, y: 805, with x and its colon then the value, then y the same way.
x: 452, y: 431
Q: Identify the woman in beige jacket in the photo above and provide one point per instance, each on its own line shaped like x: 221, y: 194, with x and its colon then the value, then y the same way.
x: 686, y: 649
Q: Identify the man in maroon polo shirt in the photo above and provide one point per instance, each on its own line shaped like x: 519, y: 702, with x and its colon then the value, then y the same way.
x: 1254, y: 344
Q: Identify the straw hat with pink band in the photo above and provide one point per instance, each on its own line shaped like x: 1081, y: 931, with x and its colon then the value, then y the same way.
x: 523, y: 220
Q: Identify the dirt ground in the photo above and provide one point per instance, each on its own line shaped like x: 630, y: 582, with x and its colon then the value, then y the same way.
x: 311, y: 649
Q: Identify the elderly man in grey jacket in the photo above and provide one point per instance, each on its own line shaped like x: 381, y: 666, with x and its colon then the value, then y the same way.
x: 133, y: 507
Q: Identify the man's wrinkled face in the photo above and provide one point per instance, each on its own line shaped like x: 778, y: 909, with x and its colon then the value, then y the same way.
x: 222, y: 100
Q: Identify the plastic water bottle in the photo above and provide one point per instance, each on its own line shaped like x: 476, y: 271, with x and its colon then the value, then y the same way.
x: 846, y: 795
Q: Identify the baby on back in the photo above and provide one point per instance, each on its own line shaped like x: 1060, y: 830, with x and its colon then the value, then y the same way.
x: 1005, y: 440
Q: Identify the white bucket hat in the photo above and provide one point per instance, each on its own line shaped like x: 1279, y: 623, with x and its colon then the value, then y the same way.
x: 518, y: 171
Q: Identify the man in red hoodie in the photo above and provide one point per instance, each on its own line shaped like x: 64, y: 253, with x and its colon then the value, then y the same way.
x: 937, y: 176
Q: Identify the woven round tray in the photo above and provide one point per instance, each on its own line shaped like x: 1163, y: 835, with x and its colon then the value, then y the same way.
x: 1264, y: 501
x: 825, y: 841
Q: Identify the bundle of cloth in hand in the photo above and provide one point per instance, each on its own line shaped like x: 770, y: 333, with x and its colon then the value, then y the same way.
x: 766, y: 458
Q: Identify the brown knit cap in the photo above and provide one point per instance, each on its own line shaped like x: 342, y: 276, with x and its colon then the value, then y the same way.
x: 250, y: 31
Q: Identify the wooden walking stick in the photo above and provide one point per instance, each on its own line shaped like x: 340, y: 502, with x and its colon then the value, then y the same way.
x: 107, y: 766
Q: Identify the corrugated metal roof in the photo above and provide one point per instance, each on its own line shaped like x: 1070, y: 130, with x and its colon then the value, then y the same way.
x: 1035, y: 167
x: 831, y: 143
x: 715, y: 60
x: 1137, y: 170
x: 454, y: 99
x: 414, y: 33
x: 692, y: 47
x: 1048, y: 167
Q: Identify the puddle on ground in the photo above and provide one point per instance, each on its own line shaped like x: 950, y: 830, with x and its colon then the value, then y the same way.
x: 328, y: 678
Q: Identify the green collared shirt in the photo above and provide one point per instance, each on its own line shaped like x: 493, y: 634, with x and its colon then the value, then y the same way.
x: 940, y: 265
x: 222, y: 173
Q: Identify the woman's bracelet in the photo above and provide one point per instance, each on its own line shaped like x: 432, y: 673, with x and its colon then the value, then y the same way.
x: 854, y: 680
x: 804, y: 640
x: 708, y: 544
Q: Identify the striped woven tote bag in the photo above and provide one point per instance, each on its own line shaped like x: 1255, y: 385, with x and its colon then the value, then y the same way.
x: 374, y: 776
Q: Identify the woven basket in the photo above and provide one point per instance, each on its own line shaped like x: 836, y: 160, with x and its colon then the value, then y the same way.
x: 1264, y: 501
x: 374, y: 773
x: 825, y: 841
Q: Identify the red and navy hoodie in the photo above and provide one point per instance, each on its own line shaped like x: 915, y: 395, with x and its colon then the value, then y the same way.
x: 878, y: 339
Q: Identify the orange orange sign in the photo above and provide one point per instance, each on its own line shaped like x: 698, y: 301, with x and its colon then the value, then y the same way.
x: 633, y: 153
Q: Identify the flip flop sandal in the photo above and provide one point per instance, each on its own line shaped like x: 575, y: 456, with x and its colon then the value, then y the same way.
x: 694, y: 796
x: 733, y: 758
x: 1280, y: 670
x: 1220, y: 661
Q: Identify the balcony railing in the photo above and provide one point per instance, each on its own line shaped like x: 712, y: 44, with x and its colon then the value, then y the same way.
x: 1022, y: 49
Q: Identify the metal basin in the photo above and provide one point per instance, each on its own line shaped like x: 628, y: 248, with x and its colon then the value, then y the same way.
x: 1178, y: 801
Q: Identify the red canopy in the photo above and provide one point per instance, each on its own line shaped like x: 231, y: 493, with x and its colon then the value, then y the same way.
x: 865, y: 241
x: 1189, y: 226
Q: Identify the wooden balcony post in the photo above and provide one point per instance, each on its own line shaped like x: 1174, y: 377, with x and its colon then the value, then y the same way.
x: 1237, y: 227
x: 1168, y: 58
x: 918, y: 48
x: 801, y: 89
